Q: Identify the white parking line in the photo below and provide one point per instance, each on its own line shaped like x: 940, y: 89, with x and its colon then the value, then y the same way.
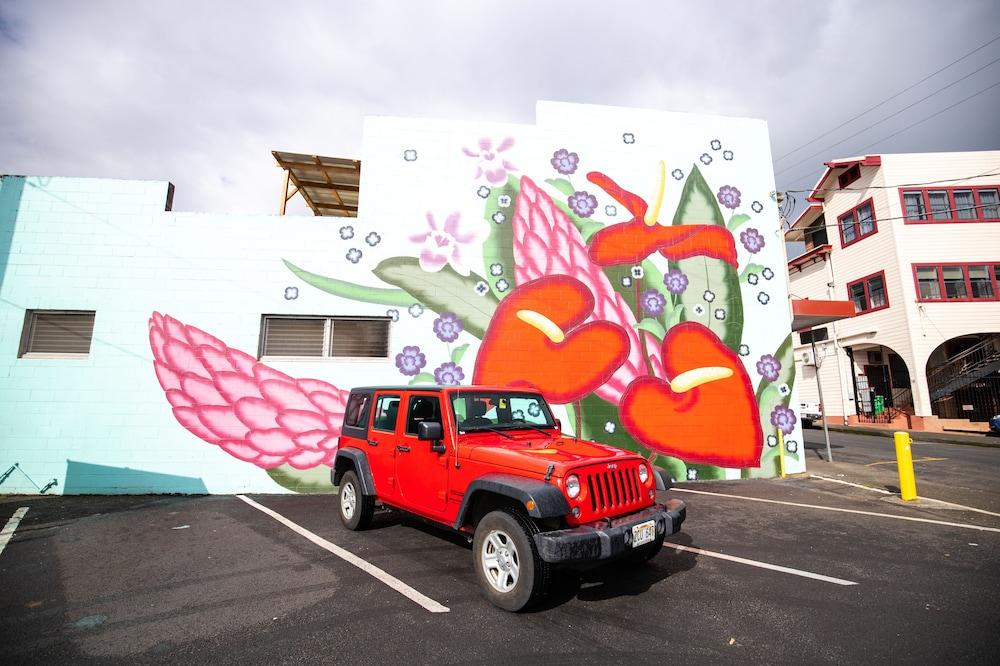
x: 351, y: 558
x: 762, y: 565
x: 967, y: 526
x: 8, y: 530
x: 886, y: 492
x: 848, y: 483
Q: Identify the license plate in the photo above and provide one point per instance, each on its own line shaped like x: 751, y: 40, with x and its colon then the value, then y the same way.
x: 643, y: 533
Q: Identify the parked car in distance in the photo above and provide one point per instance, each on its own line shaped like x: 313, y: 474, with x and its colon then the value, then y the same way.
x: 494, y: 465
x: 995, y: 425
x: 810, y: 412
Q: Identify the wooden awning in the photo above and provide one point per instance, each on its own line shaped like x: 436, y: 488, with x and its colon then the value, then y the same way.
x: 329, y: 185
x: 808, y: 313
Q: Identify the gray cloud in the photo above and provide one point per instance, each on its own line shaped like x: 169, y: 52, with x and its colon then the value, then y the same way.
x: 199, y: 93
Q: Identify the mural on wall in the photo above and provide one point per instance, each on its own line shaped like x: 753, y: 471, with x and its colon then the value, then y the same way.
x: 637, y: 325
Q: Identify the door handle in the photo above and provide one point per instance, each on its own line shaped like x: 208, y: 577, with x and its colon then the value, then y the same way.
x: 372, y: 442
x: 402, y: 449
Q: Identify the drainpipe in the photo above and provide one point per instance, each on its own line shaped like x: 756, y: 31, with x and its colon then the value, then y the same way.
x: 837, y: 348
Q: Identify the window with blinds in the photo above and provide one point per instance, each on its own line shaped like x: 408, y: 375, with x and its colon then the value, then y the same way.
x: 325, y: 337
x: 57, y: 333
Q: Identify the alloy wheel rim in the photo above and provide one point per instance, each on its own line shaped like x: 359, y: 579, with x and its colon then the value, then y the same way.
x: 501, y: 562
x: 348, y: 501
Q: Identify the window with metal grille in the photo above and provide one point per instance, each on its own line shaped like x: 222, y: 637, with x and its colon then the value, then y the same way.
x: 57, y: 333
x: 324, y: 337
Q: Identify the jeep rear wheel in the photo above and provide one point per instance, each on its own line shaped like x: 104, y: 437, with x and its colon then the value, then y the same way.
x: 508, y: 567
x: 356, y: 508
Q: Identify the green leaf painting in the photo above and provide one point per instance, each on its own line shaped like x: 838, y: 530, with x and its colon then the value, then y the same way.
x: 651, y: 325
x: 314, y: 480
x: 499, y: 246
x: 443, y: 291
x: 562, y: 185
x: 737, y: 220
x: 712, y: 297
x: 422, y: 378
x: 356, y: 292
x: 770, y: 394
x: 458, y: 352
x: 750, y: 268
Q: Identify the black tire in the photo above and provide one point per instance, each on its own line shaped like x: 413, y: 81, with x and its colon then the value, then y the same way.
x: 356, y: 508
x: 533, y: 575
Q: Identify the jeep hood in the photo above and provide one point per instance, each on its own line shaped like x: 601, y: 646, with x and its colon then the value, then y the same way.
x: 535, y: 452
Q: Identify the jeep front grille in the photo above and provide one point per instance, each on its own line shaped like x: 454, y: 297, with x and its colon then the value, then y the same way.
x: 613, y: 489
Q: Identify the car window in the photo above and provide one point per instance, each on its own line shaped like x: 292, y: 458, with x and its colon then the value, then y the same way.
x: 500, y: 409
x: 355, y: 412
x: 422, y: 408
x: 386, y: 413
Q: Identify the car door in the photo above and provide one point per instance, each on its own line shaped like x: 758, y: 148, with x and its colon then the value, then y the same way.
x: 382, y: 439
x: 421, y: 472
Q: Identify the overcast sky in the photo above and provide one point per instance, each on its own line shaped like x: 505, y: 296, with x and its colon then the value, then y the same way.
x: 199, y: 93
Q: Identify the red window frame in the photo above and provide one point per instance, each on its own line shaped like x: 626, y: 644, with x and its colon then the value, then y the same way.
x: 925, y: 194
x: 853, y: 212
x: 849, y: 176
x: 969, y: 298
x: 868, y: 297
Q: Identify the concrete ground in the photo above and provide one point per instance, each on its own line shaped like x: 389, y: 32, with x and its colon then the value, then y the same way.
x: 214, y: 579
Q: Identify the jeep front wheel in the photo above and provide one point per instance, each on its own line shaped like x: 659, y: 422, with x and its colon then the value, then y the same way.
x: 510, y: 572
x: 356, y: 508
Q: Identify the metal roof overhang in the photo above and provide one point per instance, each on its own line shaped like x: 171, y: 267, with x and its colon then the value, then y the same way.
x: 329, y: 185
x: 808, y: 313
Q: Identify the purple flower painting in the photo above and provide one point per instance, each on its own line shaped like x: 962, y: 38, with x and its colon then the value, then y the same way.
x: 447, y: 327
x: 752, y: 240
x: 729, y: 197
x: 583, y: 203
x: 769, y: 367
x: 411, y: 361
x: 653, y: 302
x: 784, y: 418
x: 449, y: 374
x: 564, y: 161
x: 489, y: 159
x: 675, y: 281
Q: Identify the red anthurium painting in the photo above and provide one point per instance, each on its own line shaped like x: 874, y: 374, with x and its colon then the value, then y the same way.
x: 631, y: 242
x: 537, y: 339
x: 706, y: 412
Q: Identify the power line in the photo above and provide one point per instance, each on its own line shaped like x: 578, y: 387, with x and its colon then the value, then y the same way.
x: 889, y: 117
x: 893, y: 187
x: 925, y: 119
x: 888, y: 99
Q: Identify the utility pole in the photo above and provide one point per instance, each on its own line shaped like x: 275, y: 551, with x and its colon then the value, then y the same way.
x: 819, y: 387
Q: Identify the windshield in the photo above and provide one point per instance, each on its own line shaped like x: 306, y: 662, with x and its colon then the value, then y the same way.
x: 485, y: 410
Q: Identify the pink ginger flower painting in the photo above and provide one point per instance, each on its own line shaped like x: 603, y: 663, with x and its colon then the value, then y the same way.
x: 547, y: 243
x: 452, y: 242
x: 249, y: 410
x: 490, y: 162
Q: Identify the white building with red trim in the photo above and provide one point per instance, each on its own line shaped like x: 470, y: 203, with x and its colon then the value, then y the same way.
x: 913, y: 240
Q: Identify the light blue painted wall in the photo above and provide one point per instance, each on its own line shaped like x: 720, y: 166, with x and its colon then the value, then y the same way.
x: 108, y: 245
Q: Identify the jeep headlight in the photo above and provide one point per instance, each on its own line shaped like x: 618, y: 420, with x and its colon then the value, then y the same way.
x: 572, y: 486
x: 643, y: 473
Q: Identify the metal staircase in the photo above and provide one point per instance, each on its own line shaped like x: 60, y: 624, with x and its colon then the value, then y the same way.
x: 962, y: 369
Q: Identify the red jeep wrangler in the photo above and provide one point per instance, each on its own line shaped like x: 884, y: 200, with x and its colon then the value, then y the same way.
x: 493, y: 464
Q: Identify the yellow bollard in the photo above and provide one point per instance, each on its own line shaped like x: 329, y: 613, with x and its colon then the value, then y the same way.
x: 781, y: 452
x: 904, y: 461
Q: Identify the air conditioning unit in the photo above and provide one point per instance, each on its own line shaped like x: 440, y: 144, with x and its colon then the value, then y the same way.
x: 807, y: 358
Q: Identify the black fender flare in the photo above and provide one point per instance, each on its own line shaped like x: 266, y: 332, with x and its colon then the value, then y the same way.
x: 548, y: 500
x: 356, y: 459
x: 662, y: 477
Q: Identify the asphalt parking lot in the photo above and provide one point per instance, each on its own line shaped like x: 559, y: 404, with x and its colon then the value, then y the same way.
x: 215, y: 579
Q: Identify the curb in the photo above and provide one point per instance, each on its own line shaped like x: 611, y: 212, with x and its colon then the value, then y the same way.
x: 921, y: 435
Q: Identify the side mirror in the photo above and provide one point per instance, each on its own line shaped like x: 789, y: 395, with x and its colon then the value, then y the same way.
x: 558, y: 425
x: 431, y: 431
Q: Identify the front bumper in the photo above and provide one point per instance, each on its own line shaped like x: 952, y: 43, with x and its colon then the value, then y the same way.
x: 607, y: 539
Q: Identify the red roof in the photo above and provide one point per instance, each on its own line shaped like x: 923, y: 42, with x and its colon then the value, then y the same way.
x: 868, y: 160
